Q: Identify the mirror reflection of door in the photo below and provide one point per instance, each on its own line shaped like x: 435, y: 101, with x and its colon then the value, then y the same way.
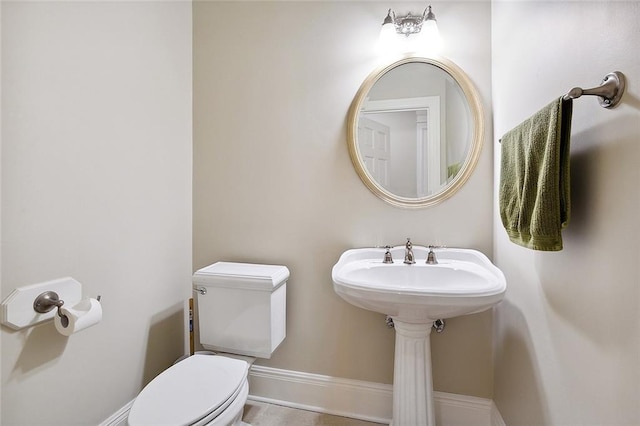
x: 415, y: 160
x: 375, y: 149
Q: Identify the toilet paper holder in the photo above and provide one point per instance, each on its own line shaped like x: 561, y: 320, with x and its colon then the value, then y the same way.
x: 46, y: 301
x: 49, y: 300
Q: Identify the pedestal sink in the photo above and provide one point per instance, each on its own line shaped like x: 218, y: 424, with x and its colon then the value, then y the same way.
x: 464, y: 281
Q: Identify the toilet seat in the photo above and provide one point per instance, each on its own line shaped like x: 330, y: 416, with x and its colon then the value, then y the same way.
x: 192, y: 392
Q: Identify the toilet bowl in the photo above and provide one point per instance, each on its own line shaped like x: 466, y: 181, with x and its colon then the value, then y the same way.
x: 241, y: 311
x: 199, y: 390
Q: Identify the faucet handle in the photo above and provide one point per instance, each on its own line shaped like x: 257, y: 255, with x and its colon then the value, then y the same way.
x: 408, y: 245
x: 431, y: 256
x: 387, y: 255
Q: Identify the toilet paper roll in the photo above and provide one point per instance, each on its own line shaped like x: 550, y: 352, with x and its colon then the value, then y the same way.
x: 78, y: 317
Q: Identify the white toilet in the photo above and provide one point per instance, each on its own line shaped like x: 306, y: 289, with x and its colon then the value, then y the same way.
x: 241, y: 315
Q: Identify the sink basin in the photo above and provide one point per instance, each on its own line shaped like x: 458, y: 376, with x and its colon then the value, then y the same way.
x: 463, y: 282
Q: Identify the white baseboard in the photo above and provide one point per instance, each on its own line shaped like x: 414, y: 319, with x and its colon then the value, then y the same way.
x: 119, y: 418
x: 359, y: 399
x: 349, y: 398
x: 323, y: 394
x: 496, y: 417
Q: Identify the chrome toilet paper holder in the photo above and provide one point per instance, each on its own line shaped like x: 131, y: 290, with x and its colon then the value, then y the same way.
x: 49, y: 300
x: 46, y: 302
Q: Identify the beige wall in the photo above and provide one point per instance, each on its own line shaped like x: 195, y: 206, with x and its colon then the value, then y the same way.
x: 568, y: 334
x: 273, y: 182
x: 96, y: 184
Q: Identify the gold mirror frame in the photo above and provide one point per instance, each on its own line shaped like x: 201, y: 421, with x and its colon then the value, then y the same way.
x: 477, y: 139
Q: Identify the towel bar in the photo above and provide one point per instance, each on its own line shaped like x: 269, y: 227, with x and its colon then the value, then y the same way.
x: 609, y: 92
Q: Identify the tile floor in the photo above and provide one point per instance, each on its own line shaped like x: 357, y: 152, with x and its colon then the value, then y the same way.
x: 262, y: 414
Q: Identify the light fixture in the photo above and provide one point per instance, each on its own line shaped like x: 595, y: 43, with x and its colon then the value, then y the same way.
x: 410, y: 32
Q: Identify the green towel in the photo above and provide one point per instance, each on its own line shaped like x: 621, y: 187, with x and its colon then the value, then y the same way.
x: 534, y: 178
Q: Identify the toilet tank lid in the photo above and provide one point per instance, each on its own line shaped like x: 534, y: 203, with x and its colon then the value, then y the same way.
x: 250, y: 276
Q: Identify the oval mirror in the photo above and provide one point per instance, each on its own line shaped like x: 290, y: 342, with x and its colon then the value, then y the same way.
x: 415, y: 131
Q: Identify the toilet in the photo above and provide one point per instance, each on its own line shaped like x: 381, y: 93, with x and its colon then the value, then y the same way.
x: 241, y: 316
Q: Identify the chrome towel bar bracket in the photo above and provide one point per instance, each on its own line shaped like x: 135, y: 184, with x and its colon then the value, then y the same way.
x: 609, y: 92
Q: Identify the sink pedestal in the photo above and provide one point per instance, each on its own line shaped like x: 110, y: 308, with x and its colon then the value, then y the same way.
x: 463, y: 282
x: 412, y: 379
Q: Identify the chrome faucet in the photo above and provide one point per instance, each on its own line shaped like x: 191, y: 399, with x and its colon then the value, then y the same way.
x: 408, y: 253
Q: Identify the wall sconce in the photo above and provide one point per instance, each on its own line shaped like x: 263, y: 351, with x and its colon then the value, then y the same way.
x: 410, y: 33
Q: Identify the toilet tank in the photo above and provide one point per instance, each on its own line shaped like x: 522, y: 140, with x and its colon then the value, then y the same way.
x: 241, y: 307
